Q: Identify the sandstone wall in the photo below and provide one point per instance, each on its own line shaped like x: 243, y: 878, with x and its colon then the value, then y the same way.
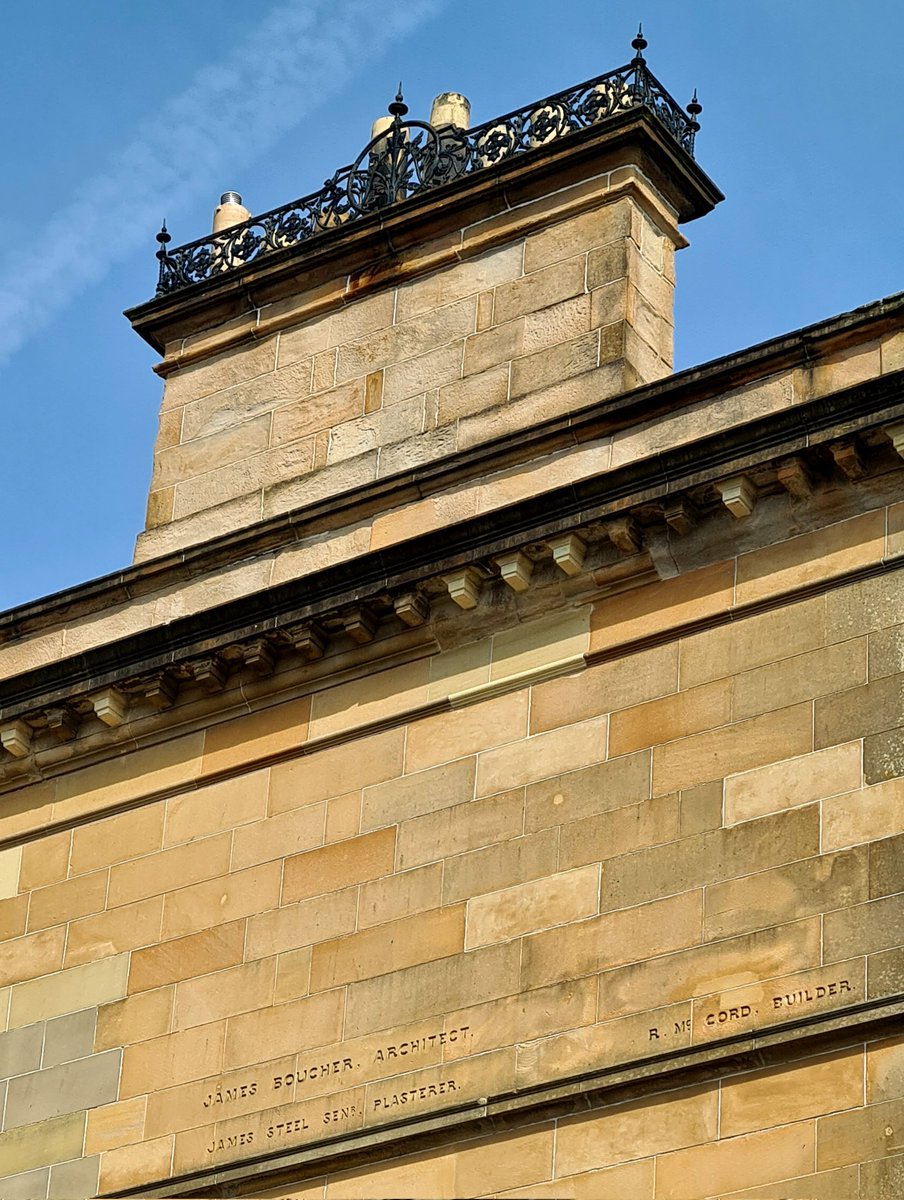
x: 327, y: 915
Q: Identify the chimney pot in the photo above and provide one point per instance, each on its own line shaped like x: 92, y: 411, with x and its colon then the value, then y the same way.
x: 451, y: 108
x: 230, y: 211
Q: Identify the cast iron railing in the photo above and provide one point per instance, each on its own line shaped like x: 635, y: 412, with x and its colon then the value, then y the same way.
x: 411, y: 157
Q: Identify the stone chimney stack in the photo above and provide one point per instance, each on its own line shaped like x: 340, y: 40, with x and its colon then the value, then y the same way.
x: 458, y: 285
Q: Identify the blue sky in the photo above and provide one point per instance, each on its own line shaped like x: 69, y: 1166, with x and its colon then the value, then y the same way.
x: 127, y: 111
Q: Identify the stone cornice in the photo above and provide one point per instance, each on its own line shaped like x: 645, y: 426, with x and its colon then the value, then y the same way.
x: 802, y: 348
x: 837, y: 438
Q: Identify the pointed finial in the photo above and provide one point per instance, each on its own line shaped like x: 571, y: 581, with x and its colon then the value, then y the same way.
x: 398, y: 108
x: 639, y: 44
x: 163, y: 237
x: 695, y: 108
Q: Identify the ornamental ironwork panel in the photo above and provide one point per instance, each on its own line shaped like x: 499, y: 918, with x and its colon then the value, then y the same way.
x: 411, y: 157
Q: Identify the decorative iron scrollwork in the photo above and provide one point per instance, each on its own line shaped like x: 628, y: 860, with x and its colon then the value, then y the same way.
x: 411, y: 157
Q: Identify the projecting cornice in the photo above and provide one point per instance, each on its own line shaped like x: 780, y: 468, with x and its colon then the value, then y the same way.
x: 804, y: 348
x: 595, y: 533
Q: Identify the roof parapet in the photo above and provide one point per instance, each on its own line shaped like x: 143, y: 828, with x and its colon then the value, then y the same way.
x: 408, y: 157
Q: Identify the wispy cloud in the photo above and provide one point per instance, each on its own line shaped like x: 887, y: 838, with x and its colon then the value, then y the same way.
x: 302, y: 52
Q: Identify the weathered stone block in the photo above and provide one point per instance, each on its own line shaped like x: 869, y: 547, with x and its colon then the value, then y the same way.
x: 463, y: 279
x: 301, y: 418
x: 392, y: 947
x: 598, y: 788
x: 631, y: 935
x: 75, y: 1178
x: 115, y: 839
x: 220, y: 372
x: 63, y: 902
x: 20, y: 1050
x: 456, y: 830
x: 219, y: 901
x: 738, y: 1162
x: 792, y: 782
x: 225, y: 993
x: 182, y: 958
x: 334, y: 772
x: 883, y: 756
x: 863, y: 814
x: 871, y: 708
x: 67, y: 1088
x: 161, y: 1062
x: 145, y: 1015
x: 114, y: 932
x: 539, y: 757
x: 473, y: 394
x: 295, y: 925
x: 502, y: 865
x: 672, y: 717
x: 802, y: 677
x: 70, y: 1037
x: 864, y: 928
x: 859, y: 1136
x: 31, y: 1146
x: 206, y: 858
x: 733, y: 748
x: 658, y: 606
x: 420, y: 991
x: 702, y: 970
x: 708, y: 858
x: 398, y: 800
x: 613, y: 685
x: 555, y: 363
x: 637, y: 1130
x: 384, y: 427
x: 584, y: 231
x: 414, y: 337
x: 271, y: 1032
x: 555, y: 899
x: 276, y: 837
x: 765, y: 638
x: 540, y: 289
x: 799, y: 561
x: 416, y: 375
x: 333, y: 867
x: 786, y: 893
x: 69, y: 991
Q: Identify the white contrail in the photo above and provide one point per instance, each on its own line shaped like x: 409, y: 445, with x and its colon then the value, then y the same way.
x: 303, y: 52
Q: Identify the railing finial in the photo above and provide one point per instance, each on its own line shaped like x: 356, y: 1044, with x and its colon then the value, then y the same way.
x: 639, y: 45
x: 695, y: 108
x: 398, y: 107
x: 163, y: 237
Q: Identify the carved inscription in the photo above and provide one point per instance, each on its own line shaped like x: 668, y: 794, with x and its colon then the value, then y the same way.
x: 373, y: 1080
x: 345, y: 1069
x: 811, y: 995
x: 427, y: 1092
x: 784, y: 1001
x: 385, y: 1054
x: 228, y: 1095
x: 334, y: 1066
x: 660, y: 1033
x: 383, y: 1060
